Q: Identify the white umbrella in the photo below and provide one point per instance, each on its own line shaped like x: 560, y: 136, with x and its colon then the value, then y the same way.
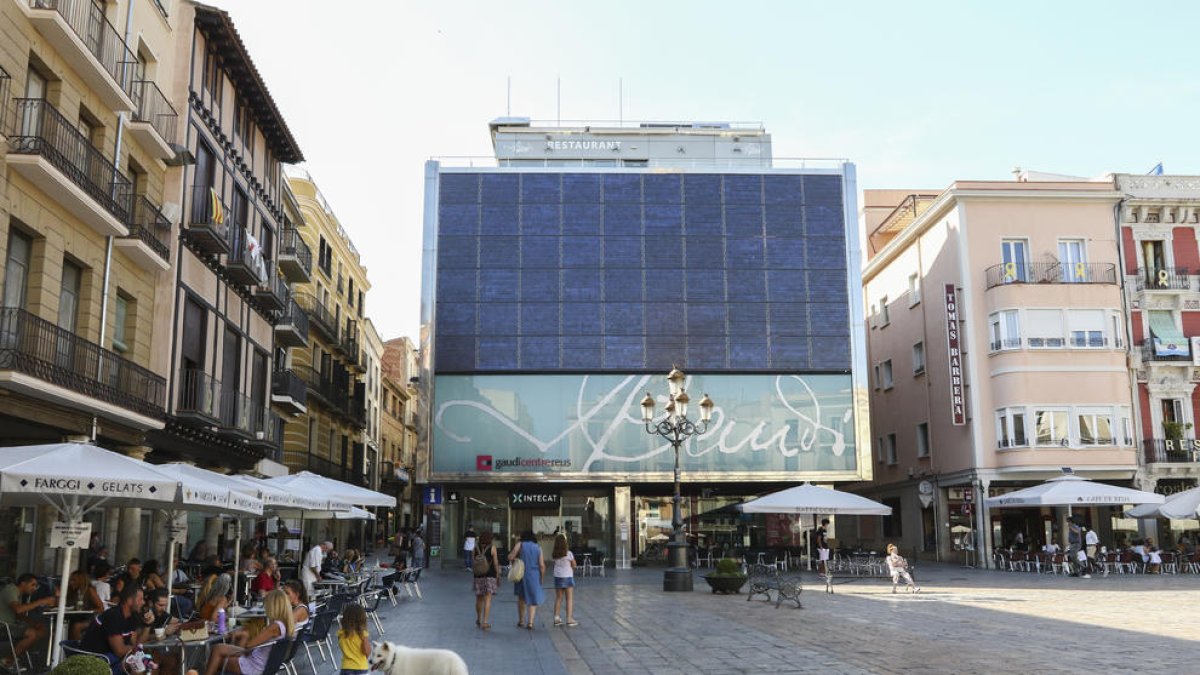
x: 809, y: 498
x: 310, y: 483
x: 1070, y: 491
x: 1180, y: 506
x: 283, y: 498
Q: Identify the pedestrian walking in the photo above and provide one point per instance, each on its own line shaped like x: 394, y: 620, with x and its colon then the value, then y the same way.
x: 564, y: 580
x: 418, y: 549
x: 354, y: 640
x: 529, y: 589
x: 821, y: 541
x: 468, y: 547
x: 485, y: 568
x: 898, y: 566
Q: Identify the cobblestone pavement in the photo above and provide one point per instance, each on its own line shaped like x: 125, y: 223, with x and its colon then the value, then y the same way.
x: 964, y: 621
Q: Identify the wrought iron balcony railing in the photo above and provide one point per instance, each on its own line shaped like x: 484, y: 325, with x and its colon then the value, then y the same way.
x: 1051, y: 273
x: 208, y: 218
x: 5, y: 91
x: 295, y: 257
x: 199, y: 394
x: 236, y: 410
x: 151, y: 226
x: 1163, y: 279
x: 291, y: 326
x: 40, y: 129
x: 153, y: 108
x: 1182, y: 450
x: 40, y: 349
x: 286, y: 383
x: 321, y: 318
x: 86, y: 18
x: 1149, y: 353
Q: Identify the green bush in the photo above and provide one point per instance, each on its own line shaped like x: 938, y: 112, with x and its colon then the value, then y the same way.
x: 728, y: 567
x: 81, y: 664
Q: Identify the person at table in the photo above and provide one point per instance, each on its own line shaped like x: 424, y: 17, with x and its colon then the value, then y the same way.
x: 310, y: 571
x: 15, y: 606
x: 297, y: 597
x: 252, y: 659
x: 81, y: 595
x: 267, y: 580
x: 353, y: 561
x: 97, y: 554
x: 213, y: 596
x: 101, y: 572
x: 331, y: 567
x: 117, y: 632
x: 131, y: 575
x: 251, y: 564
x: 159, y: 603
x: 150, y: 580
x: 199, y: 552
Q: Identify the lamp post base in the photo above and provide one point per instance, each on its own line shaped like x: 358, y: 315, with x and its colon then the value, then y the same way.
x: 678, y: 576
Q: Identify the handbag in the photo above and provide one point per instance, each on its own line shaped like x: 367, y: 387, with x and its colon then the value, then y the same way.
x: 516, y: 571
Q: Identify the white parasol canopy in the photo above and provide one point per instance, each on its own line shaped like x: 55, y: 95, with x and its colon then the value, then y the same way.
x: 1182, y: 506
x: 204, y: 488
x: 306, y: 482
x: 1071, y: 490
x: 812, y: 499
x: 285, y: 501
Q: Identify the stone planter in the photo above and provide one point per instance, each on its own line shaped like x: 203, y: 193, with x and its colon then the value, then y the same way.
x: 725, y: 584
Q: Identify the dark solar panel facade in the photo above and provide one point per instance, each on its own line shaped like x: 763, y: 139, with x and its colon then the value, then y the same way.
x: 636, y: 272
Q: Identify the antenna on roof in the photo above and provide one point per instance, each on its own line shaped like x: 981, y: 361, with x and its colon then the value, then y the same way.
x: 508, y: 102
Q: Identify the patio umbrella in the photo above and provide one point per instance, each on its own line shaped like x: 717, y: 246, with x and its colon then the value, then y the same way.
x: 75, y: 478
x: 809, y: 498
x: 1180, y: 506
x: 310, y: 483
x: 1070, y: 491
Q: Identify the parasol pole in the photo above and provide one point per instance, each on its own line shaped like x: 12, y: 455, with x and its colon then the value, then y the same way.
x: 237, y: 558
x: 73, y: 514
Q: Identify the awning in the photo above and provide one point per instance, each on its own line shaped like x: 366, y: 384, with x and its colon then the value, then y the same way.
x: 1168, y: 340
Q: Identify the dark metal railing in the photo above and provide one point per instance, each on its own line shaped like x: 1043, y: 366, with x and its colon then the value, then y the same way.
x: 1163, y: 279
x: 151, y: 226
x: 39, y: 129
x: 154, y: 109
x: 1171, y: 450
x: 208, y: 211
x: 323, y: 387
x: 291, y: 245
x: 199, y: 393
x: 5, y: 90
x: 235, y: 411
x: 295, y: 315
x: 265, y: 422
x: 325, y: 467
x: 320, y: 316
x: 86, y: 18
x: 350, y: 342
x: 36, y: 347
x: 1149, y: 354
x: 241, y: 254
x: 1007, y: 343
x: 1051, y: 273
x: 288, y: 383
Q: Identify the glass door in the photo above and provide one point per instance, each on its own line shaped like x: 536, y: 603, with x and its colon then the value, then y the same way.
x: 1072, y: 261
x: 1015, y: 255
x: 545, y: 524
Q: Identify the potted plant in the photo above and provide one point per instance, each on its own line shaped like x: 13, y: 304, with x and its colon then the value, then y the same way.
x: 728, y: 578
x: 1174, y: 430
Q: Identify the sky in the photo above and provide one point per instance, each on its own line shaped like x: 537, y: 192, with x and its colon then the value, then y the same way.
x: 917, y: 95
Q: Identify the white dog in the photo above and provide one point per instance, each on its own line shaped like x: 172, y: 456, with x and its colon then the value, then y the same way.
x: 394, y: 659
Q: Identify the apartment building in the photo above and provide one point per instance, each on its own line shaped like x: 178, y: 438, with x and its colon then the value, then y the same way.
x: 1159, y: 218
x: 997, y: 347
x: 373, y: 352
x: 88, y: 196
x: 329, y: 438
x: 398, y: 431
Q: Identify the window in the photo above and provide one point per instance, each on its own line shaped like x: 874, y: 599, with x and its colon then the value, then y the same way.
x: 883, y: 312
x: 1050, y: 427
x: 16, y: 269
x: 1118, y: 330
x: 120, y: 319
x: 1004, y: 330
x: 1044, y: 328
x: 1087, y: 328
x: 312, y: 435
x: 195, y: 332
x: 890, y: 446
x: 1126, y: 428
x: 878, y: 380
x: 892, y: 523
x: 882, y: 456
x: 914, y: 289
x: 350, y: 292
x: 1072, y: 261
x: 1010, y: 428
x: 1014, y: 254
x: 886, y: 371
x: 68, y: 299
x: 923, y: 439
x: 1095, y: 427
x: 918, y: 356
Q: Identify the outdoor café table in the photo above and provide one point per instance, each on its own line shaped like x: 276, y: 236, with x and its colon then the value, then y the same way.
x: 69, y: 616
x: 184, y: 647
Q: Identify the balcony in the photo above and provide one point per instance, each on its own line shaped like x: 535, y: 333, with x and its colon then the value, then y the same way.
x: 295, y: 257
x: 265, y: 426
x: 1163, y: 279
x: 1006, y: 274
x: 245, y: 264
x: 274, y: 295
x: 207, y: 231
x: 291, y: 328
x: 149, y: 240
x: 5, y: 89
x: 357, y: 409
x: 80, y: 32
x: 289, y: 392
x: 154, y: 120
x: 321, y: 319
x: 1172, y: 451
x: 50, y: 152
x: 1165, y: 353
x: 325, y: 390
x: 199, y: 396
x: 49, y: 363
x: 235, y: 418
x: 324, y: 467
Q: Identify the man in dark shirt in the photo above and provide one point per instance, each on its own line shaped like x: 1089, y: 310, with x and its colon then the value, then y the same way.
x: 821, y: 539
x: 119, y: 629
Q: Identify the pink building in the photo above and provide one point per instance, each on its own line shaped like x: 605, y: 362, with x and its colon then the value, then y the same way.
x: 997, y: 347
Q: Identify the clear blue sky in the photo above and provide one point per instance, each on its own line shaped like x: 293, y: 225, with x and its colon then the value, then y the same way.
x: 916, y: 94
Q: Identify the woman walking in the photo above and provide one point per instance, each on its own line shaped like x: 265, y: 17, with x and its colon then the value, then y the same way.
x: 564, y: 580
x: 486, y: 570
x: 529, y: 588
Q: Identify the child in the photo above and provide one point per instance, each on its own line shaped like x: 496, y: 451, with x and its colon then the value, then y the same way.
x: 898, y: 566
x: 564, y: 580
x: 354, y: 640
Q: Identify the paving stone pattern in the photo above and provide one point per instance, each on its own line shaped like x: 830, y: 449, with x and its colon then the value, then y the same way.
x: 964, y: 621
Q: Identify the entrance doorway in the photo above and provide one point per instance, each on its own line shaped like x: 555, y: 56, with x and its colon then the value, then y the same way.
x: 545, y: 523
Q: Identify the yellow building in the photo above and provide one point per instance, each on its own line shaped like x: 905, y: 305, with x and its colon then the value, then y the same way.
x: 398, y: 430
x: 328, y: 439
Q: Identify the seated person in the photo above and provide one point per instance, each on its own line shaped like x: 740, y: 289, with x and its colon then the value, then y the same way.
x: 100, y: 576
x: 150, y: 579
x: 15, y: 606
x: 159, y: 603
x: 119, y: 630
x: 81, y: 595
x: 252, y: 658
x: 267, y: 580
x: 1139, y: 549
x: 331, y: 566
x: 1051, y: 548
x: 213, y: 596
x: 131, y: 575
x: 250, y: 563
x: 297, y: 597
x: 199, y: 552
x: 99, y: 555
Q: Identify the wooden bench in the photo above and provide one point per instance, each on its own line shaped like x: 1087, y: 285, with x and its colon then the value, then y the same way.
x: 767, y: 578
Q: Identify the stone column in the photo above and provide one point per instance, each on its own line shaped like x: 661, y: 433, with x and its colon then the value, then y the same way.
x: 983, y: 526
x: 112, y: 526
x: 212, y: 530
x: 1147, y: 527
x: 129, y: 536
x: 626, y: 529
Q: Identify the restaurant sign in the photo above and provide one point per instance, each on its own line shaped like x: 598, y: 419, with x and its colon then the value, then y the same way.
x: 958, y: 407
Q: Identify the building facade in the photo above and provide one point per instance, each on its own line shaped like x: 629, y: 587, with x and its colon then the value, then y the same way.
x: 997, y: 346
x: 564, y: 283
x: 329, y: 438
x: 398, y: 431
x: 1160, y: 259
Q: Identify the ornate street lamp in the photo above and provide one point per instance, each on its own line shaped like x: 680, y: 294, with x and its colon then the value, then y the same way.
x: 676, y: 428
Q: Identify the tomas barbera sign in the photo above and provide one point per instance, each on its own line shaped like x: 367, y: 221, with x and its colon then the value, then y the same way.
x: 958, y: 405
